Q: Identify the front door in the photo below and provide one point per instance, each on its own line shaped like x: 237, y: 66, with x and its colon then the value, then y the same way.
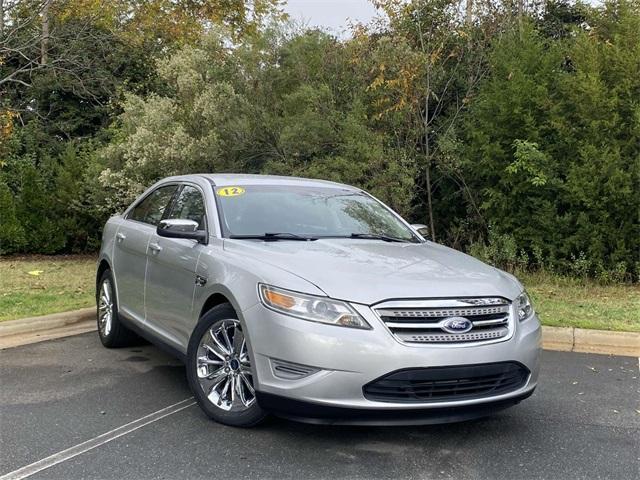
x: 171, y: 272
x: 130, y: 251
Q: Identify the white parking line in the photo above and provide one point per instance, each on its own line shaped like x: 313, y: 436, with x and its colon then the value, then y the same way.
x: 56, y: 458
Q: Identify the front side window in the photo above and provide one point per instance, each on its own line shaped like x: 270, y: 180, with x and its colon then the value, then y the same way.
x: 189, y: 205
x: 151, y: 209
x: 305, y: 211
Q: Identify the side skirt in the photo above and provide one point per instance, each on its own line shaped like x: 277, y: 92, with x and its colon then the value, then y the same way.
x: 151, y: 338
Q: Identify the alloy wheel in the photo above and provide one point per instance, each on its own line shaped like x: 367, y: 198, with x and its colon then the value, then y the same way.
x: 105, y: 308
x: 224, y: 368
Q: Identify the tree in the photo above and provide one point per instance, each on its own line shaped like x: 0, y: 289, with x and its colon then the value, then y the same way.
x: 549, y: 142
x: 64, y: 65
x: 426, y: 67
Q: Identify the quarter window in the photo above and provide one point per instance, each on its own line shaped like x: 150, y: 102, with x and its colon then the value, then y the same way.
x: 189, y: 205
x: 151, y: 209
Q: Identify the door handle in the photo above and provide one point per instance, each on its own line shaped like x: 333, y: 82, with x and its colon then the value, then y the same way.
x: 120, y: 236
x: 155, y: 248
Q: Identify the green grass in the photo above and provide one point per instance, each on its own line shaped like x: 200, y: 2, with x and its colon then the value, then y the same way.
x: 567, y: 302
x: 67, y: 283
x: 62, y: 283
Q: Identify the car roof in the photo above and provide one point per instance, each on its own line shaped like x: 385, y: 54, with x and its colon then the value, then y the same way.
x: 231, y: 179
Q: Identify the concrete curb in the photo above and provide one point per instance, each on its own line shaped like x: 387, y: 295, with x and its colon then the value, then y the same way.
x: 570, y: 339
x: 47, y: 327
x: 45, y: 322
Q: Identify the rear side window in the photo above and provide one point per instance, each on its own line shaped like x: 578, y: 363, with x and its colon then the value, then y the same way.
x: 189, y: 205
x: 151, y: 209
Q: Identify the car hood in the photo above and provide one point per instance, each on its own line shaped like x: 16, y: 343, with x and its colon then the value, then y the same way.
x: 369, y: 271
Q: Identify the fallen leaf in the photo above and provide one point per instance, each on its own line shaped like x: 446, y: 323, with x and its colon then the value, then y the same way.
x: 35, y: 273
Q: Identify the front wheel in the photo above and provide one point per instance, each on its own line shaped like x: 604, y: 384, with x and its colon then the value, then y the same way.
x: 219, y: 369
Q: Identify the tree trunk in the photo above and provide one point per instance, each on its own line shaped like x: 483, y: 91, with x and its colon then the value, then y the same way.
x: 44, y: 45
x: 427, y: 151
x: 429, y: 204
x: 1, y: 18
x: 520, y: 15
x: 427, y: 120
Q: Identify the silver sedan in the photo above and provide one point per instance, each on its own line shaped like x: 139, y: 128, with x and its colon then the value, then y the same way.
x: 314, y: 301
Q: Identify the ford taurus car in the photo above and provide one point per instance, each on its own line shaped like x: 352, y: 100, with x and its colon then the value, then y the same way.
x: 314, y: 301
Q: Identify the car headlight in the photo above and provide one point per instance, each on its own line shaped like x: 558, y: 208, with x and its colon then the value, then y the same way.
x: 524, y: 307
x: 311, y: 307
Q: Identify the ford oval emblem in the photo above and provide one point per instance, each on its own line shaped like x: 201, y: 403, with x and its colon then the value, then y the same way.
x: 456, y: 325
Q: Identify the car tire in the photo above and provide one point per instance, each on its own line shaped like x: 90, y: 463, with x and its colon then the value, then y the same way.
x: 112, y: 332
x: 219, y: 369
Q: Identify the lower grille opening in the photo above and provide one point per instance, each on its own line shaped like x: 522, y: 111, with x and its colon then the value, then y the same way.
x: 434, y: 384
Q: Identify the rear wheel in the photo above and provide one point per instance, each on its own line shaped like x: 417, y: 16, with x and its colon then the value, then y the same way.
x: 110, y: 329
x: 219, y: 369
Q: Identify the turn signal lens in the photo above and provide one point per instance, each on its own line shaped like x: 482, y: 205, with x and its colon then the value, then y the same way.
x: 278, y: 299
x: 311, y: 307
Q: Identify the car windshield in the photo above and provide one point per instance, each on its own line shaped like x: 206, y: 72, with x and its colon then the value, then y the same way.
x: 315, y: 212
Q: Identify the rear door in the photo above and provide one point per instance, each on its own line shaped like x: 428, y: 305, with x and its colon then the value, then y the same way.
x: 171, y: 271
x: 130, y: 250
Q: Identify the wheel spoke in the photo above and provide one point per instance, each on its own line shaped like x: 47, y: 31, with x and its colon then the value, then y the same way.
x: 243, y: 354
x: 219, y: 373
x: 209, y: 348
x: 225, y: 390
x: 218, y: 343
x: 239, y: 342
x: 227, y: 341
x: 247, y: 384
x: 207, y: 361
x: 240, y: 391
x: 234, y: 391
x: 213, y: 391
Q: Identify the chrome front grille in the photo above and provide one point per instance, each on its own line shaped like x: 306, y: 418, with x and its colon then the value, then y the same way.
x: 425, y: 321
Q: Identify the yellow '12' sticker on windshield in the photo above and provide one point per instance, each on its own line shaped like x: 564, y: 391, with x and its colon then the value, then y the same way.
x: 230, y: 191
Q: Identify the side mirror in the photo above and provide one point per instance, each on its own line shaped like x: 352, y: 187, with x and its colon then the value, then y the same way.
x: 181, y: 228
x: 423, y: 230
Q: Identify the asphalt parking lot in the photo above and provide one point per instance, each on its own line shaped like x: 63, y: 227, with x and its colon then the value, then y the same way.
x: 582, y: 422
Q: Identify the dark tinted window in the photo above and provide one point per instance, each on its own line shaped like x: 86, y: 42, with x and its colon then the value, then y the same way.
x: 150, y: 210
x: 189, y: 205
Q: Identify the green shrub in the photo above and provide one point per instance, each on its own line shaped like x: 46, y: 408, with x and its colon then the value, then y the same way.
x: 12, y: 236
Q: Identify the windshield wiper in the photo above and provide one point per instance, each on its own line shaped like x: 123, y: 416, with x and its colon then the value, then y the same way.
x: 273, y: 236
x: 375, y: 236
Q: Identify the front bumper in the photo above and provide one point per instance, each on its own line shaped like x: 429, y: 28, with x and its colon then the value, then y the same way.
x: 308, y: 412
x: 347, y: 359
